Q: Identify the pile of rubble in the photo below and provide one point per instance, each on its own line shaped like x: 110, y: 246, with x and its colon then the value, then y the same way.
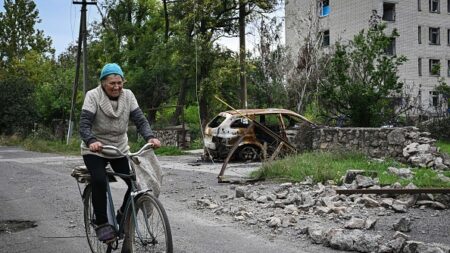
x: 424, y: 153
x: 318, y: 213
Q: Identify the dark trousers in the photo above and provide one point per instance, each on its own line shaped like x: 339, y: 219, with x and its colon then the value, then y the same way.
x: 97, y: 167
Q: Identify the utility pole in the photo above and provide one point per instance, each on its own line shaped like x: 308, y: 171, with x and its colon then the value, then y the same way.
x: 82, y: 45
x: 242, y: 72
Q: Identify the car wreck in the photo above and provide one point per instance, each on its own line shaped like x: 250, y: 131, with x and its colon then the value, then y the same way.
x: 255, y: 132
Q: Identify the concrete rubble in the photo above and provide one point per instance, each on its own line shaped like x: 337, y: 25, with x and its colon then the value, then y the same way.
x: 317, y: 213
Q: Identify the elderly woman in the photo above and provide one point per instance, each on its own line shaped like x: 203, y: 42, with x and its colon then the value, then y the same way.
x: 104, y: 119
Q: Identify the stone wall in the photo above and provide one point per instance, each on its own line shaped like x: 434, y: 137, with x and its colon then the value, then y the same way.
x: 375, y: 142
x: 173, y: 137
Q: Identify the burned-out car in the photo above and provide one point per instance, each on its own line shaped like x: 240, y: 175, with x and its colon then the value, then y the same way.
x: 222, y: 133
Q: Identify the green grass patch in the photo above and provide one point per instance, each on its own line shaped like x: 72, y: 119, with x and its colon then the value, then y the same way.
x: 324, y: 166
x: 444, y: 146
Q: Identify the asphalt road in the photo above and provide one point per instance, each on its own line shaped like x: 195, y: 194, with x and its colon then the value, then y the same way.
x: 38, y: 188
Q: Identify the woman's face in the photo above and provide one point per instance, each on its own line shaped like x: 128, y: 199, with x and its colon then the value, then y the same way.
x: 113, y: 85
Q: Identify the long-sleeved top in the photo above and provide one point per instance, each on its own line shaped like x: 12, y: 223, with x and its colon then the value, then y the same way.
x: 106, y: 120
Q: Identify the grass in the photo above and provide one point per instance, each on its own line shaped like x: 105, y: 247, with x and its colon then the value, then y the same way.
x: 444, y: 146
x: 59, y: 147
x: 324, y: 166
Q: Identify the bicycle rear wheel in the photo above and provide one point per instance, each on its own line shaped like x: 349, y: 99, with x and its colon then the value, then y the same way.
x: 151, y: 230
x: 89, y: 217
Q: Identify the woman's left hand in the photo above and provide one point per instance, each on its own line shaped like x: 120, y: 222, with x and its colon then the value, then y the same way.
x: 155, y: 142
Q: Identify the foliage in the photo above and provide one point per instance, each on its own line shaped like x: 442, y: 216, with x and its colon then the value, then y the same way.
x: 17, y: 110
x: 324, y: 166
x: 18, y: 35
x: 361, y: 79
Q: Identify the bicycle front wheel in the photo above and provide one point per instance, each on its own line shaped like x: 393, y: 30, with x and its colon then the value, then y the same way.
x: 89, y: 218
x: 149, y: 231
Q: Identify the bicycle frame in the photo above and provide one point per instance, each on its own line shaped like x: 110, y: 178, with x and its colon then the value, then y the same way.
x: 133, y: 194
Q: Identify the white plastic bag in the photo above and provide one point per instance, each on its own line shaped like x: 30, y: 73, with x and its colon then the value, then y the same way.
x: 148, y: 172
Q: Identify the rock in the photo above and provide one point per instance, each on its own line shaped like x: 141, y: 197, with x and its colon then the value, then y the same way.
x: 353, y: 240
x: 387, y: 202
x: 420, y: 247
x: 307, y: 200
x: 317, y: 235
x: 262, y: 199
x: 423, y: 148
x: 396, y: 137
x: 399, y: 208
x: 370, y: 222
x: 402, y: 172
x: 403, y: 225
x: 240, y: 192
x: 368, y: 202
x: 364, y: 182
x: 355, y: 223
x: 274, y: 222
x: 410, y: 149
x: 393, y: 246
x: 434, y: 204
x: 282, y: 194
x: 290, y: 209
x: 322, y: 210
x: 443, y: 178
x: 399, y: 234
x: 350, y: 175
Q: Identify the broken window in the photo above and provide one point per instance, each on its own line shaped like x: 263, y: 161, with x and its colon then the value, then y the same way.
x: 434, y: 36
x: 388, y: 11
x: 240, y: 123
x: 434, y: 98
x: 324, y: 8
x: 434, y: 6
x: 435, y: 66
x: 326, y: 38
x: 216, y: 121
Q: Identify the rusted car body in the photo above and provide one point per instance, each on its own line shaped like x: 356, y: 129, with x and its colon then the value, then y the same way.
x: 224, y: 131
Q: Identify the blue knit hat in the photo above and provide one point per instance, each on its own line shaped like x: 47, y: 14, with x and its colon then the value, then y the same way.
x: 111, y: 68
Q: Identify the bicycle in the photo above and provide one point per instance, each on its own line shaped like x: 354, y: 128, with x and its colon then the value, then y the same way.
x: 144, y: 226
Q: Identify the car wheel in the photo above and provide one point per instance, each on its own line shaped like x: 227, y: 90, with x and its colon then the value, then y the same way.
x: 248, y: 153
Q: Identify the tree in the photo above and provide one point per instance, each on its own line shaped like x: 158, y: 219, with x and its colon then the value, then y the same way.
x: 18, y: 35
x: 361, y: 79
x: 267, y: 67
x: 307, y: 64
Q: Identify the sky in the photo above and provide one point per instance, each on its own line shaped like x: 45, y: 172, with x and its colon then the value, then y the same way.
x: 60, y: 20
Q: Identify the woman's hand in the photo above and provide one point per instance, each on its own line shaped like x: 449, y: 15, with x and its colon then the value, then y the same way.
x: 95, y: 146
x: 155, y: 142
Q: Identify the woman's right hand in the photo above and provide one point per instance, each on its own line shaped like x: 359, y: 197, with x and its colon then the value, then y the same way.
x: 95, y: 146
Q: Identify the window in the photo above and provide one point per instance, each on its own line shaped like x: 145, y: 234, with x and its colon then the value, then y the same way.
x: 390, y: 50
x: 434, y: 36
x: 326, y: 38
x: 434, y: 6
x: 388, y: 11
x: 434, y: 95
x: 419, y: 34
x: 448, y: 68
x: 419, y: 6
x: 324, y: 7
x: 419, y: 66
x: 448, y: 6
x: 448, y: 36
x: 435, y: 66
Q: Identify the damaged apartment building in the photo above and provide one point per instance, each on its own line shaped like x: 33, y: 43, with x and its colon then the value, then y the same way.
x: 423, y: 26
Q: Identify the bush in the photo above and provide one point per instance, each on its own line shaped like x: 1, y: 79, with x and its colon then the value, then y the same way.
x: 438, y: 127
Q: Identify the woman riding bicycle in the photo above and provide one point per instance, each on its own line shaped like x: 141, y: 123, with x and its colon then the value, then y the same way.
x: 104, y: 119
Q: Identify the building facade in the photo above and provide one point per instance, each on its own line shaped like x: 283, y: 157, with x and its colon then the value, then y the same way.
x: 423, y: 26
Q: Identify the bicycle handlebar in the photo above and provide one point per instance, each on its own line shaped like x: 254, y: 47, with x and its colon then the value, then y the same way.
x: 113, y: 148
